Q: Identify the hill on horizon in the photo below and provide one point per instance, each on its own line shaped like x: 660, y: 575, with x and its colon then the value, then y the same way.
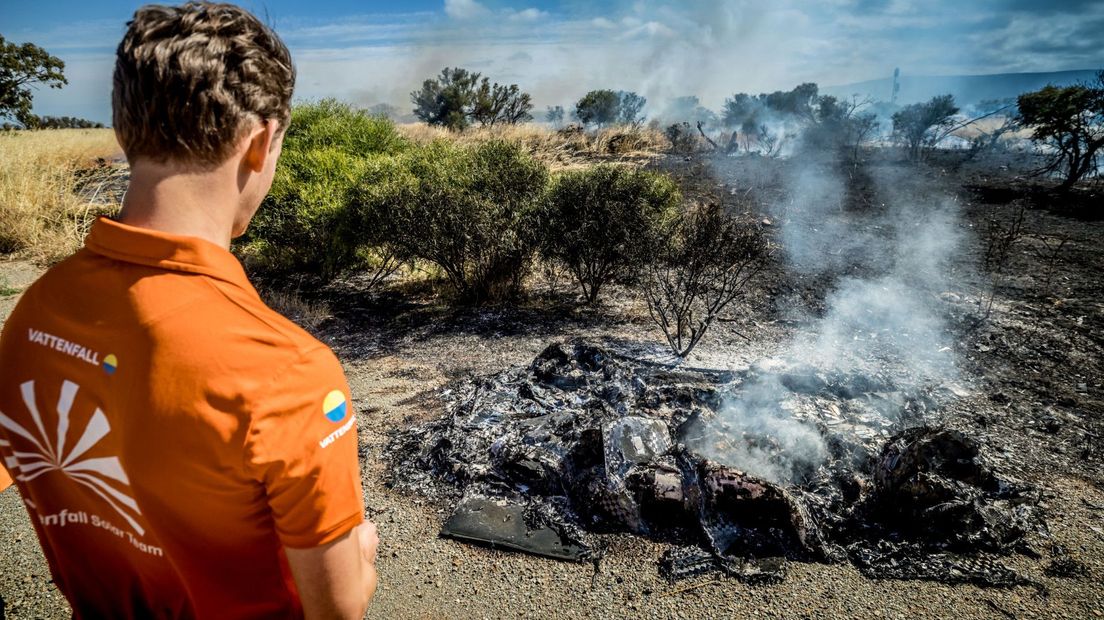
x: 967, y: 89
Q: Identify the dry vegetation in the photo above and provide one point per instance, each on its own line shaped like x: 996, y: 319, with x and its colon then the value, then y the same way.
x: 53, y: 183
x: 50, y: 184
x: 569, y: 147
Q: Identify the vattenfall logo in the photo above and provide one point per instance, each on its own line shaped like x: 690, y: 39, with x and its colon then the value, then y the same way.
x: 79, y: 351
x: 335, y: 407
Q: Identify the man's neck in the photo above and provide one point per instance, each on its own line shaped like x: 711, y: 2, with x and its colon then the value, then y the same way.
x: 195, y: 204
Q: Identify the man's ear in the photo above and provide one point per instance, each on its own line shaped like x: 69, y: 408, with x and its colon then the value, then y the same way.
x: 257, y: 150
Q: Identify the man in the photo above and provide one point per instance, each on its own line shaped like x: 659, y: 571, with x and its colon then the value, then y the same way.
x: 183, y: 450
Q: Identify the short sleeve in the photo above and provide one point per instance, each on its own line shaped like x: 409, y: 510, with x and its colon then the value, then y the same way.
x: 302, y: 447
x: 5, y: 479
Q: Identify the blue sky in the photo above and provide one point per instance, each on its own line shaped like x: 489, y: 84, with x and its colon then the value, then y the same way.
x: 377, y: 52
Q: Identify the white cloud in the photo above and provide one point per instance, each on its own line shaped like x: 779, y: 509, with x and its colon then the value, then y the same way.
x: 351, y: 30
x: 465, y: 9
x: 528, y: 15
x: 649, y: 29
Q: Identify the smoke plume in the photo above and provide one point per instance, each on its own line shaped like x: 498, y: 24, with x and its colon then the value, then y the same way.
x: 887, y: 264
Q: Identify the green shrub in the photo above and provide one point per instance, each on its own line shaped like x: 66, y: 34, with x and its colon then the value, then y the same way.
x: 597, y: 221
x: 1068, y: 122
x: 332, y: 124
x: 305, y: 224
x: 384, y: 182
x: 296, y: 228
x: 468, y: 210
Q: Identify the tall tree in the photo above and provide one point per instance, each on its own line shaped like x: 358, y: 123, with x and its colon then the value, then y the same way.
x: 457, y: 97
x: 497, y: 103
x: 739, y: 110
x: 446, y: 100
x: 837, y: 127
x: 22, y: 67
x: 555, y: 115
x: 385, y: 110
x: 799, y: 102
x: 918, y: 125
x: 689, y: 109
x: 598, y: 107
x: 1071, y: 120
x: 629, y: 108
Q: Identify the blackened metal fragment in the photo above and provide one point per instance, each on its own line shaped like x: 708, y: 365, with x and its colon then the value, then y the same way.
x: 510, y: 523
x: 902, y: 561
x: 680, y: 563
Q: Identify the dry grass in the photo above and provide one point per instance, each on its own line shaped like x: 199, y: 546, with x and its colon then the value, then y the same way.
x: 987, y: 126
x: 307, y: 315
x: 49, y: 189
x: 559, y: 149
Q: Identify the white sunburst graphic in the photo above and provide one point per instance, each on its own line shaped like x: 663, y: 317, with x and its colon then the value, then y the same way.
x: 95, y: 474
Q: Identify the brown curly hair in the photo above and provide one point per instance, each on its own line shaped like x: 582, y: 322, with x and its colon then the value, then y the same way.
x: 191, y: 79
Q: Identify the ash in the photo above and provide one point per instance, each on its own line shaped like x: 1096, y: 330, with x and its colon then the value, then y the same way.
x: 591, y: 439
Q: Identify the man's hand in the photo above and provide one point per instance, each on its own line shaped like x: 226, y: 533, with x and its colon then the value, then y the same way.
x: 369, y: 548
x: 369, y: 541
x: 337, y: 580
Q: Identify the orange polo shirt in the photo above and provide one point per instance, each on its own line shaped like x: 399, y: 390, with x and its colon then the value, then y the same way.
x: 169, y: 433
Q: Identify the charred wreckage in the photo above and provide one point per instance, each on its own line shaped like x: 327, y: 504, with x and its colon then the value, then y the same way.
x: 589, y: 440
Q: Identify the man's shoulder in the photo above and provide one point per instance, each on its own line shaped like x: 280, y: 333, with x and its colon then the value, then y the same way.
x: 245, y: 310
x: 195, y: 318
x: 233, y: 329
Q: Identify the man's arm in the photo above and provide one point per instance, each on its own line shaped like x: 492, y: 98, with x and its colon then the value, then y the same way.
x: 302, y: 447
x: 337, y: 580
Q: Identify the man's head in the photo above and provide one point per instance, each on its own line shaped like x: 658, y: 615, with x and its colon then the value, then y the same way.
x: 200, y: 86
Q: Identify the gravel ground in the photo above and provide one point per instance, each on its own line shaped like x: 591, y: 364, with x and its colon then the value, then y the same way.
x: 425, y: 576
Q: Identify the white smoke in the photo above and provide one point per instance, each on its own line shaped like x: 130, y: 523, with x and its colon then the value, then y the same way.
x: 756, y: 434
x: 882, y: 316
x: 891, y: 312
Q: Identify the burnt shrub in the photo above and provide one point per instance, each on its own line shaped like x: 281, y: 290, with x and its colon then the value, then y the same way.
x: 303, y: 225
x: 682, y: 136
x: 469, y: 210
x: 701, y: 266
x: 597, y: 222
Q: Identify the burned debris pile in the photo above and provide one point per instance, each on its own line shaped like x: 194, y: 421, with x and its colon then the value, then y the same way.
x: 589, y: 440
x: 934, y: 504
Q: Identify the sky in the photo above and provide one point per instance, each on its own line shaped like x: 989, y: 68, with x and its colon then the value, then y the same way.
x: 370, y: 52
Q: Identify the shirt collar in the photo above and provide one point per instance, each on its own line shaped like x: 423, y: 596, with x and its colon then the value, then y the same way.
x: 166, y: 251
